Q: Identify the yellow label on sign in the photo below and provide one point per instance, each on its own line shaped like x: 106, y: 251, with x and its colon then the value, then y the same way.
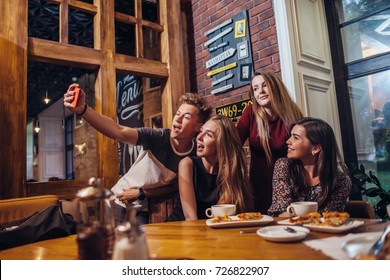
x: 223, y: 68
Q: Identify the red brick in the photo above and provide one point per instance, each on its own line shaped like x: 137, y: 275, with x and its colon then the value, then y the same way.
x: 266, y: 15
x: 218, y: 15
x: 275, y: 58
x: 260, y: 8
x: 269, y: 51
x: 268, y: 32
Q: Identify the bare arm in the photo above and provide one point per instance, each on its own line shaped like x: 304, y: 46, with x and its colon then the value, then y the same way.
x: 103, y: 124
x: 186, y: 189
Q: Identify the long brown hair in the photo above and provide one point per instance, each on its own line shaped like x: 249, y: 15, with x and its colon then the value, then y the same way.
x: 319, y: 132
x: 281, y: 104
x: 232, y: 179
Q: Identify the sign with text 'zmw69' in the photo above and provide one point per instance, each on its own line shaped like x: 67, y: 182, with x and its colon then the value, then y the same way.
x: 233, y: 110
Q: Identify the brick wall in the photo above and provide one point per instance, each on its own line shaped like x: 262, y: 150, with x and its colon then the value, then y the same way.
x: 209, y: 13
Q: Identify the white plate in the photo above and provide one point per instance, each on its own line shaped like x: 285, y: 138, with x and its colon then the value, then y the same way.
x: 331, y: 229
x: 279, y: 234
x: 237, y: 223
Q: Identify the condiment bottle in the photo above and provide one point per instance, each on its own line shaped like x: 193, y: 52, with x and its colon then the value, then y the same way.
x: 130, y: 243
x: 95, y: 222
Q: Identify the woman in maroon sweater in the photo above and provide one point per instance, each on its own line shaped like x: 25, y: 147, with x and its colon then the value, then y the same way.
x: 265, y: 124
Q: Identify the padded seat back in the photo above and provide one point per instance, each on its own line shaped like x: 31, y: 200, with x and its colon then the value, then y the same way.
x: 15, y: 209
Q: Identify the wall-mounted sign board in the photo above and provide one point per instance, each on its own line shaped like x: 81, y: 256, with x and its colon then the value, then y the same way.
x: 231, y: 63
x: 233, y: 110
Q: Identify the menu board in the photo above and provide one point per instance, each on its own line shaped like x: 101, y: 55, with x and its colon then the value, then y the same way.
x: 130, y: 112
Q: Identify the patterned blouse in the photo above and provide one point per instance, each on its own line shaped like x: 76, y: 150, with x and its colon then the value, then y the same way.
x: 283, y: 194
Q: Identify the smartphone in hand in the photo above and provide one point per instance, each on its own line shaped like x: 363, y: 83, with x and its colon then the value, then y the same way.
x: 76, y: 96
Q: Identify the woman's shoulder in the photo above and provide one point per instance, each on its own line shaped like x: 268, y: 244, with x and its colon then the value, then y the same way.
x: 185, y: 162
x: 282, y: 162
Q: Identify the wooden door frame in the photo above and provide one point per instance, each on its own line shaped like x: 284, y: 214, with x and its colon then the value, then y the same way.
x: 16, y: 48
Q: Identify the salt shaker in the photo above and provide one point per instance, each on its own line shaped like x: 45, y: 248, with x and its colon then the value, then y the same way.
x: 95, y: 222
x: 130, y: 243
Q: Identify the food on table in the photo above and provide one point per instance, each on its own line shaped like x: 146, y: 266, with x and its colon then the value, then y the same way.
x: 240, y: 217
x: 249, y: 216
x: 310, y: 218
x: 221, y: 219
x: 333, y: 219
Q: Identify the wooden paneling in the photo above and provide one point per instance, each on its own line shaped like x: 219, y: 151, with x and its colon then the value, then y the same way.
x: 64, y: 189
x: 69, y: 55
x: 13, y: 101
x: 172, y: 54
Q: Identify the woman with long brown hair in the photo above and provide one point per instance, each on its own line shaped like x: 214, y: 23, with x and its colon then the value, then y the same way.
x: 312, y: 170
x: 265, y: 124
x: 216, y: 175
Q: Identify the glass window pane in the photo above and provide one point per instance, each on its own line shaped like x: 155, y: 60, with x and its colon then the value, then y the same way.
x: 152, y: 47
x: 55, y: 79
x: 43, y: 20
x: 370, y: 102
x: 150, y: 10
x: 125, y: 38
x: 351, y: 9
x: 80, y: 28
x: 367, y: 37
x: 125, y: 7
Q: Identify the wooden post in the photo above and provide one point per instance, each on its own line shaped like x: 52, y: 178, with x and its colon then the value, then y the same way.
x: 172, y: 54
x: 13, y: 99
x: 105, y: 91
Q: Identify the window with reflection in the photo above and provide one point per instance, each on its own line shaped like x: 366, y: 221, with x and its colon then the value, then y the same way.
x: 62, y: 148
x: 363, y: 81
x: 370, y: 101
x: 365, y: 29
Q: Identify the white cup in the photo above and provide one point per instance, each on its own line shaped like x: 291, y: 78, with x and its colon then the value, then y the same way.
x: 302, y: 208
x: 221, y: 210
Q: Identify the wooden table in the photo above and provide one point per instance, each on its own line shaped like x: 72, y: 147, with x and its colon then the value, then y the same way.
x: 191, y: 240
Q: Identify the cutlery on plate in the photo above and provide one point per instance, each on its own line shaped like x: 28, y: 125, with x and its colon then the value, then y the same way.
x: 378, y: 245
x: 252, y: 230
x: 290, y: 230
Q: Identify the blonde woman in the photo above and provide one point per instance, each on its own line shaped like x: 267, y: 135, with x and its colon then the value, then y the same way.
x: 216, y: 175
x: 265, y: 124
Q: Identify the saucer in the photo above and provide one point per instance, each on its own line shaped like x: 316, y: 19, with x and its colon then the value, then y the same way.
x: 279, y: 234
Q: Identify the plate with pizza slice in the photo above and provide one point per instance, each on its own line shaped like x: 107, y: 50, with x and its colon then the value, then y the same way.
x: 324, y: 227
x: 333, y: 222
x: 241, y: 220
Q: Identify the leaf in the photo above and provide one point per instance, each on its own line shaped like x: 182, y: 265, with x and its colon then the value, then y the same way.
x: 376, y: 180
x: 371, y: 192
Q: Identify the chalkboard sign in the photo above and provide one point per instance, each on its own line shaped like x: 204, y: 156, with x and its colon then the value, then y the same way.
x: 233, y: 110
x: 129, y: 106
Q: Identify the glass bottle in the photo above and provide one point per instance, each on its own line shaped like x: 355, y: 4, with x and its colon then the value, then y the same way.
x: 95, y: 222
x: 130, y: 242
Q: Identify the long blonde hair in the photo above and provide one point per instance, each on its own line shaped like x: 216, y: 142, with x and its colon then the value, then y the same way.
x: 281, y: 104
x: 232, y: 179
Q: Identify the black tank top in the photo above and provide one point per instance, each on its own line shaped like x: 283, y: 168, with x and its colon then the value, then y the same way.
x: 206, y: 192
